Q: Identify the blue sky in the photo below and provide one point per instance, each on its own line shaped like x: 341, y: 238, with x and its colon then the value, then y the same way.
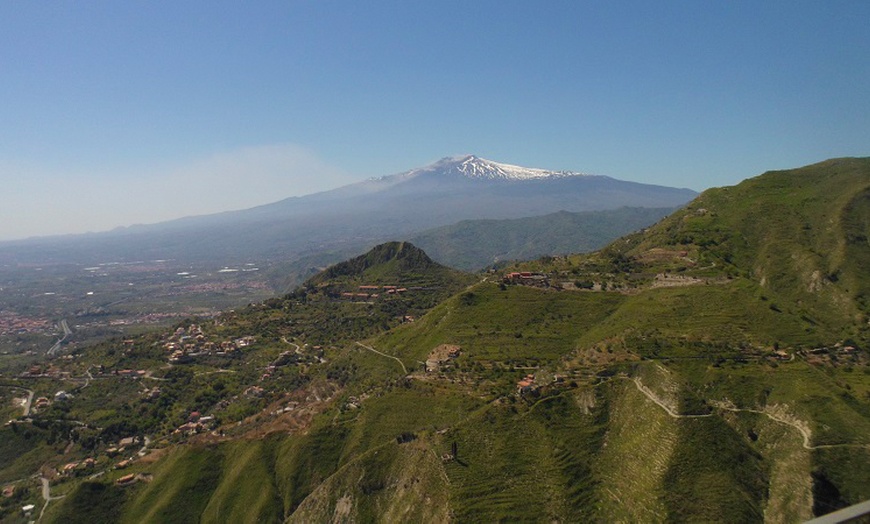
x: 116, y: 113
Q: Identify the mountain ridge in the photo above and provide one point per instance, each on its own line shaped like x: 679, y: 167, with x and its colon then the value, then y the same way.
x: 358, y: 214
x: 472, y: 245
x: 390, y: 259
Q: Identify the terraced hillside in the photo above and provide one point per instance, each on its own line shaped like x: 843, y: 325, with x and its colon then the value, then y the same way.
x: 725, y: 373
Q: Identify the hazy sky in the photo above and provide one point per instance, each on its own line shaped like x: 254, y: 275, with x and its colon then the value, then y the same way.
x: 113, y: 113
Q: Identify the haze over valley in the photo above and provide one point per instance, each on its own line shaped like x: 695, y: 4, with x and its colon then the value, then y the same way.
x: 111, y: 282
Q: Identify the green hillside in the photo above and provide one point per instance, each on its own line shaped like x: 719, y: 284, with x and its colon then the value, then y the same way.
x: 474, y: 244
x: 801, y: 235
x: 384, y: 264
x: 713, y: 368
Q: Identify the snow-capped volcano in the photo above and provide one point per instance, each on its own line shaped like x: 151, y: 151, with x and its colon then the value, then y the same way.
x: 474, y: 167
x: 379, y: 209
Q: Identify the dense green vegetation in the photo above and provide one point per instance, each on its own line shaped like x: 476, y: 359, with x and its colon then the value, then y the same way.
x: 474, y: 244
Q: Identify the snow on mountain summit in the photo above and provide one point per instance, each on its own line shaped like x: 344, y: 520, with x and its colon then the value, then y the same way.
x: 474, y: 167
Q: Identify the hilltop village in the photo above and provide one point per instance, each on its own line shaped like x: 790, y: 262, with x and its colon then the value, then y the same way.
x: 185, y: 344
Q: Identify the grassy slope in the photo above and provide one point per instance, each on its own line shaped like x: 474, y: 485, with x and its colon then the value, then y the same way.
x: 23, y: 449
x: 391, y: 483
x: 387, y: 264
x: 517, y: 324
x: 302, y: 464
x: 474, y: 244
x: 353, y: 441
x: 228, y: 483
x: 90, y: 502
x: 639, y: 445
x: 535, y: 467
x: 182, y: 486
x: 714, y: 475
x: 729, y: 313
x: 238, y: 499
x: 800, y: 234
x: 788, y: 466
x: 410, y: 408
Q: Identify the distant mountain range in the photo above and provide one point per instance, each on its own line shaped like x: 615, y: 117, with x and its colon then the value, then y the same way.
x: 356, y: 216
x: 472, y: 245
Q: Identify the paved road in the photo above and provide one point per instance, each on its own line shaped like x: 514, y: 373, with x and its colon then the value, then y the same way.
x: 46, y: 495
x: 28, y: 403
x: 66, y: 333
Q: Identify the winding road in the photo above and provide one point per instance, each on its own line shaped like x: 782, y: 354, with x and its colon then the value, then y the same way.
x: 46, y: 495
x: 28, y: 402
x: 295, y: 345
x: 804, y: 433
x: 384, y: 355
x: 649, y: 394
